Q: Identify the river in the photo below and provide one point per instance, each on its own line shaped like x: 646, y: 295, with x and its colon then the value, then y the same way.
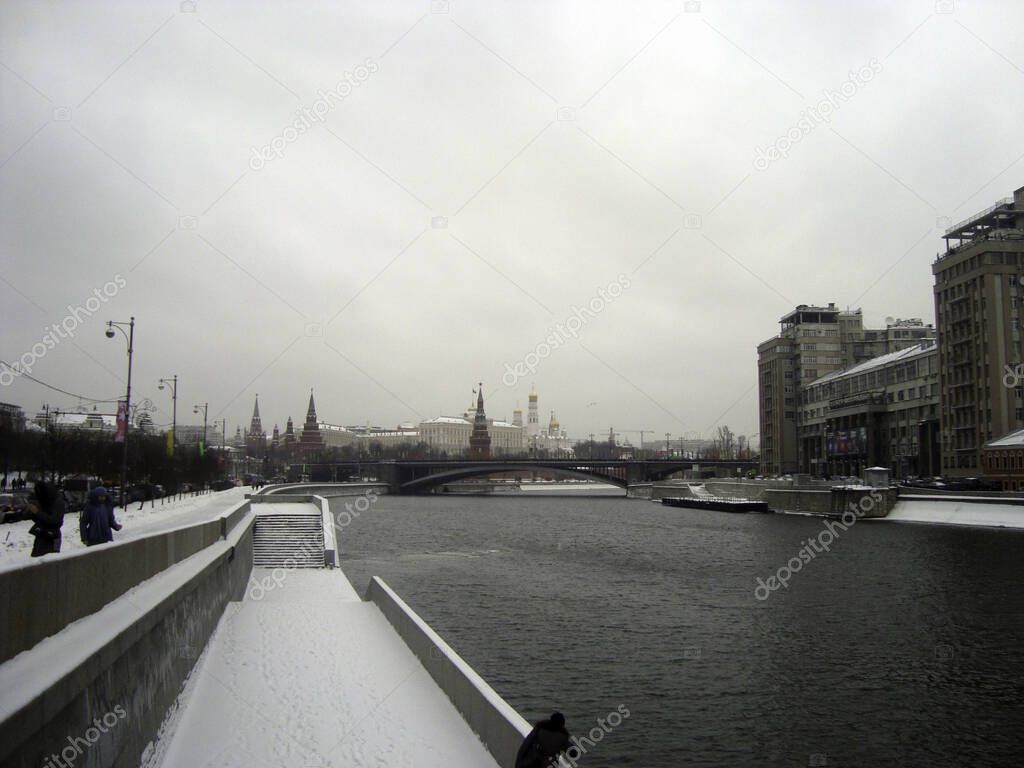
x: 902, y: 645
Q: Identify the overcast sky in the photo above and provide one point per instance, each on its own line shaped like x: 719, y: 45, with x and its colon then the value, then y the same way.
x: 567, y: 146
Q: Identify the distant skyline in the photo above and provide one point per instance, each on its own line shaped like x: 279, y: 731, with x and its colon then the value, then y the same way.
x: 392, y: 202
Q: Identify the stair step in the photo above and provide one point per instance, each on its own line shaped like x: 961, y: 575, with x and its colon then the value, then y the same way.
x: 289, y: 540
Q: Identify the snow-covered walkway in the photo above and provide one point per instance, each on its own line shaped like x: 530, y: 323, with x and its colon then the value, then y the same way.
x: 302, y: 672
x: 15, y: 543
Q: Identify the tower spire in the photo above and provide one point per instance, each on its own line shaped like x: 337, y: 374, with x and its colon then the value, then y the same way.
x: 311, y: 410
x: 255, y: 425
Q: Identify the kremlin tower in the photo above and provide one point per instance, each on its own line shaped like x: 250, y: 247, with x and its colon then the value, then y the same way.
x: 289, y: 437
x: 480, y: 440
x: 256, y: 438
x: 311, y: 442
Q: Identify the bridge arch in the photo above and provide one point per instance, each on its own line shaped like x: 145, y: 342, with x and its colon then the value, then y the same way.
x: 436, y: 479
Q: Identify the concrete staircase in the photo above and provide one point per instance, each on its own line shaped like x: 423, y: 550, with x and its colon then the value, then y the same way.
x: 287, y: 536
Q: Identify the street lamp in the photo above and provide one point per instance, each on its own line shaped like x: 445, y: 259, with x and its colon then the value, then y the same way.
x: 129, y: 336
x: 173, y: 382
x: 195, y: 409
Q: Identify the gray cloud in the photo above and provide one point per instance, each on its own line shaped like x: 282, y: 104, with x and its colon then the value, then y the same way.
x: 127, y: 132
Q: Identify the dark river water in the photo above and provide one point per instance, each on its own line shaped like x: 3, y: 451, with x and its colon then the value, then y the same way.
x: 902, y: 646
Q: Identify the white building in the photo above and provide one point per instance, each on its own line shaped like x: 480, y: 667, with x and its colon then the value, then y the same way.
x: 450, y: 434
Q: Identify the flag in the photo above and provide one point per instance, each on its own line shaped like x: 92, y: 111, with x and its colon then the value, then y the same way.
x: 122, y: 421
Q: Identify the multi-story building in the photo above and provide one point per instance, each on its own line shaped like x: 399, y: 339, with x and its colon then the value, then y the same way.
x: 978, y: 293
x: 882, y: 412
x: 12, y: 417
x: 451, y: 435
x: 813, y: 342
x: 1002, y: 460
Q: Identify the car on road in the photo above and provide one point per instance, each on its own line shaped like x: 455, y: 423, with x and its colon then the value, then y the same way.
x: 13, y: 507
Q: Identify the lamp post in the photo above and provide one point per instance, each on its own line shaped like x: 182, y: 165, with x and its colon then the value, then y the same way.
x: 195, y: 409
x: 173, y: 382
x: 129, y: 336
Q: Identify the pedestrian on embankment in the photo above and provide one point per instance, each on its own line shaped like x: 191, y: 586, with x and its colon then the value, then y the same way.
x: 47, y: 512
x: 97, y: 522
x: 547, y: 740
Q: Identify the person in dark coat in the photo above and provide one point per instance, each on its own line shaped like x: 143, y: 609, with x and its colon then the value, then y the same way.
x: 97, y: 522
x: 546, y: 742
x: 47, y: 517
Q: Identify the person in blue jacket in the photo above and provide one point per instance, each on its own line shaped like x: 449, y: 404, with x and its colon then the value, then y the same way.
x: 97, y: 521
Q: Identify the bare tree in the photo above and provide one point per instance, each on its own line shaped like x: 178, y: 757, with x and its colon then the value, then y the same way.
x: 725, y: 442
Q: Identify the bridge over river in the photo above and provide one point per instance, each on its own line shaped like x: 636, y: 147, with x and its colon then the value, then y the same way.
x: 404, y: 476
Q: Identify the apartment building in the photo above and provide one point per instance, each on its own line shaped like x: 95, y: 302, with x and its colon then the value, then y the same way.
x: 882, y: 412
x: 814, y: 341
x: 979, y: 287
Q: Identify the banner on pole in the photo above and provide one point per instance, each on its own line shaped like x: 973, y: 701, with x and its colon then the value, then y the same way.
x: 170, y: 443
x: 122, y: 421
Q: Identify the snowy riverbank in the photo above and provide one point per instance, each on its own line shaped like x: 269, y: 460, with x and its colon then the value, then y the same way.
x: 958, y: 512
x: 15, y: 543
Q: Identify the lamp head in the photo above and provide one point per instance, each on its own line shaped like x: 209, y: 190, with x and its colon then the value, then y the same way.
x: 160, y: 385
x: 110, y: 333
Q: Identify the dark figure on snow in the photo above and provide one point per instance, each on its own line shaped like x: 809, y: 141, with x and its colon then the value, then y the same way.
x: 546, y: 742
x: 47, y: 513
x: 97, y: 522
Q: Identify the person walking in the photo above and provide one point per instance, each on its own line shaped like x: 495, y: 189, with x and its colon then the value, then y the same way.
x: 97, y: 522
x: 547, y: 740
x: 47, y: 512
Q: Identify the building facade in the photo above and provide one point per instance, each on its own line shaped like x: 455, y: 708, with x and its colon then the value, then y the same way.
x: 1002, y: 460
x: 814, y: 341
x: 978, y: 291
x: 882, y: 412
x: 12, y: 417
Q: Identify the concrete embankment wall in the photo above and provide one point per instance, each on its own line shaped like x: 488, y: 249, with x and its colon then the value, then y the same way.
x: 818, y: 499
x: 325, y: 489
x: 43, y: 596
x: 123, y: 667
x: 816, y: 502
x: 494, y: 720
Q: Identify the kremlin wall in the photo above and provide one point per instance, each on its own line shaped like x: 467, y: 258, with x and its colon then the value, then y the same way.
x: 449, y: 435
